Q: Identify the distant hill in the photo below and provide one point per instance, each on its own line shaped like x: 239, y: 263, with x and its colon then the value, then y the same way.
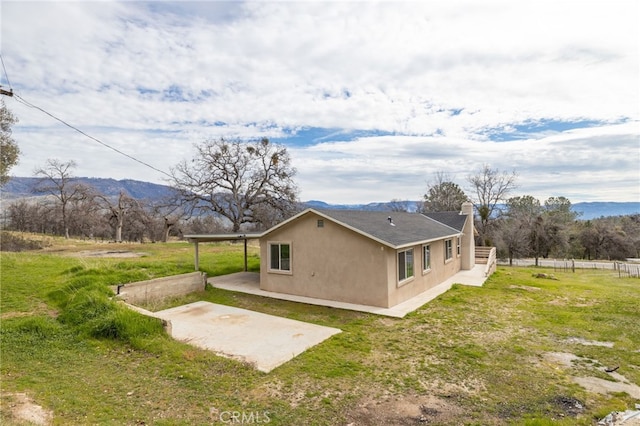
x: 595, y: 210
x: 20, y: 187
x: 412, y: 206
x: 587, y: 211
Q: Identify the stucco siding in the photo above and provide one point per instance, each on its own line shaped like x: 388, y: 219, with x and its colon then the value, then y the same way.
x: 423, y: 280
x: 328, y: 262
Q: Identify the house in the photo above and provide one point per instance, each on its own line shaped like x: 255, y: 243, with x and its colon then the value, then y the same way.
x: 365, y: 257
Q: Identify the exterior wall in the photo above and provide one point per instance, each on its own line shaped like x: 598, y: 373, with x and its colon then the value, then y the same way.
x: 331, y: 262
x: 440, y: 271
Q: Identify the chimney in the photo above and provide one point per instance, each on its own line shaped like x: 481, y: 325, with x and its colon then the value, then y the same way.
x: 468, y: 244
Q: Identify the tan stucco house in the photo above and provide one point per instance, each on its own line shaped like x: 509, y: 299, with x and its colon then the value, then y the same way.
x: 366, y: 257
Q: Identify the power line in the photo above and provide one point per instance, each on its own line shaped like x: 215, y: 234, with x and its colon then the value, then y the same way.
x: 2, y: 91
x: 30, y: 105
x: 5, y: 72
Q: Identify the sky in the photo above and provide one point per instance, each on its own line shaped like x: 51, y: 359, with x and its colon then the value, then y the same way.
x: 372, y: 99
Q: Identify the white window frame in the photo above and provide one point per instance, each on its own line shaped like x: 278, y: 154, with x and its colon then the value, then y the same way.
x: 408, y: 267
x: 448, y: 249
x: 458, y: 246
x: 280, y: 269
x: 426, y: 258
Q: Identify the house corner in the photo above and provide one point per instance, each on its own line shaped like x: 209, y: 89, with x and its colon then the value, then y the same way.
x: 468, y: 242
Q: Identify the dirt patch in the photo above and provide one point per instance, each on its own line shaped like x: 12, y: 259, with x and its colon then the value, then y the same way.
x: 524, y: 287
x: 581, y: 341
x: 619, y: 383
x: 597, y: 385
x: 565, y: 359
x: 22, y: 408
x: 109, y: 253
x: 41, y: 308
x: 412, y: 410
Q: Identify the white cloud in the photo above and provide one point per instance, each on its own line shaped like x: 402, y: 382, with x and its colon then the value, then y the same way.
x: 151, y: 79
x: 583, y: 165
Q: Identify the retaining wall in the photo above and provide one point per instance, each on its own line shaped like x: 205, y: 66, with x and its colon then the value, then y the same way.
x: 159, y: 288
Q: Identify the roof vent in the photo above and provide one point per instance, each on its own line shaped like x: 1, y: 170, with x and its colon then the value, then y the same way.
x: 391, y: 221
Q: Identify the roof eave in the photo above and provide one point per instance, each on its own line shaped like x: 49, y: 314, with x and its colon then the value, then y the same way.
x: 421, y: 242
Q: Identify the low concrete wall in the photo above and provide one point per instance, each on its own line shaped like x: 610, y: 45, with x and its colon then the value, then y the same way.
x: 176, y: 285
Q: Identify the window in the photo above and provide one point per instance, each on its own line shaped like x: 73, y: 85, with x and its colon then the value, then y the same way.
x: 448, y: 249
x: 426, y: 258
x: 280, y: 257
x: 320, y: 223
x: 405, y: 265
x: 458, y: 246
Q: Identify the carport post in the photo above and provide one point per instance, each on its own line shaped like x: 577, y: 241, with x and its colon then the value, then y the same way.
x: 245, y: 255
x: 195, y: 243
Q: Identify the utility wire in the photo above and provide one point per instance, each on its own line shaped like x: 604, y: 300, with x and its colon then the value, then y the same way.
x: 5, y: 73
x: 30, y: 105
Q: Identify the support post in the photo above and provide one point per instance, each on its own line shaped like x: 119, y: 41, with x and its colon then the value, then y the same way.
x: 197, y: 261
x: 245, y: 255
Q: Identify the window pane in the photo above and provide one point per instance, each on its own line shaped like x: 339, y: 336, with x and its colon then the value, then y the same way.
x: 285, y: 257
x: 426, y: 258
x: 409, y: 260
x: 275, y: 256
x: 401, y: 267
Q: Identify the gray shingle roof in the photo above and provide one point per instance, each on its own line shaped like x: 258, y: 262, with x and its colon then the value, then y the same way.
x: 407, y: 228
x: 452, y: 219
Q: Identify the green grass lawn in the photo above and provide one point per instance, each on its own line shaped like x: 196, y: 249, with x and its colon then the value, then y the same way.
x: 472, y: 356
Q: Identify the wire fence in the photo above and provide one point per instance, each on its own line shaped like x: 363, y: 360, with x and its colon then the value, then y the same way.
x: 624, y: 269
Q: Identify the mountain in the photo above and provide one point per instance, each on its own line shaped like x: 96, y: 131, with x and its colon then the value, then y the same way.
x: 587, y: 211
x: 595, y: 210
x: 20, y: 187
x: 411, y: 206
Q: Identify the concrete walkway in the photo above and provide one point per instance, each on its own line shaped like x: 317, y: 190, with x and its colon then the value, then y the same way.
x: 249, y: 282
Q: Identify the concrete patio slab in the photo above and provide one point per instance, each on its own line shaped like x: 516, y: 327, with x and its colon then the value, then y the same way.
x: 249, y: 282
x: 265, y: 341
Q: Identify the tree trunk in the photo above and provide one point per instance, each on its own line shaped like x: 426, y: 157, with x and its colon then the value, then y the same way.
x: 166, y: 229
x: 119, y: 226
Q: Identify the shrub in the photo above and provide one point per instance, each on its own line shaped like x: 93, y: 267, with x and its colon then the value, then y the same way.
x: 14, y: 243
x: 92, y: 311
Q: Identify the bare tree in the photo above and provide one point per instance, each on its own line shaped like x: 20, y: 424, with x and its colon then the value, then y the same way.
x: 235, y: 179
x: 443, y: 195
x: 490, y: 187
x: 57, y: 180
x: 398, y: 205
x: 25, y: 216
x: 516, y: 230
x: 170, y: 212
x: 9, y: 151
x: 118, y: 210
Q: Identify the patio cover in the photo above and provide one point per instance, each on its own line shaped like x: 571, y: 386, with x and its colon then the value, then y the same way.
x: 210, y: 238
